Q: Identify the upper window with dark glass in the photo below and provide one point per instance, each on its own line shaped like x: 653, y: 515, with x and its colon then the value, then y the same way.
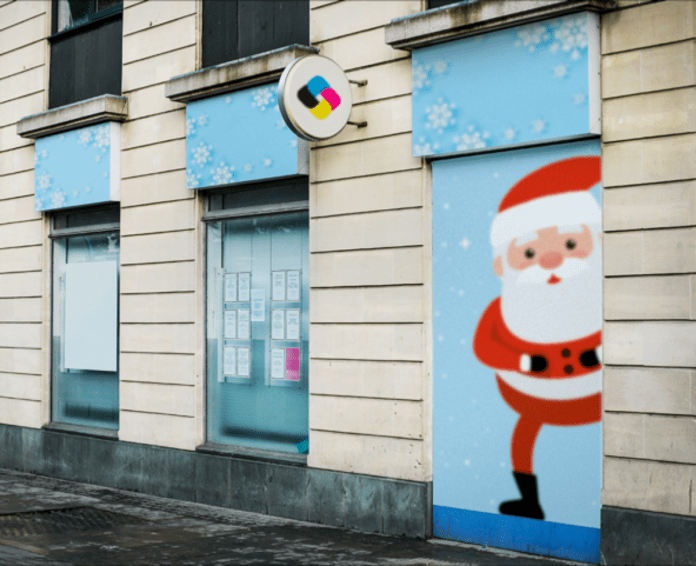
x: 441, y: 3
x: 234, y: 29
x: 85, y: 50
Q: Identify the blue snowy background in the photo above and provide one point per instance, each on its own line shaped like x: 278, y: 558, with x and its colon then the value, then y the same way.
x: 472, y: 424
x: 238, y: 137
x: 73, y: 168
x: 516, y: 85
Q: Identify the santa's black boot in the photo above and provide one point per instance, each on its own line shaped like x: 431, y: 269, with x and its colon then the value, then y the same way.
x: 528, y: 506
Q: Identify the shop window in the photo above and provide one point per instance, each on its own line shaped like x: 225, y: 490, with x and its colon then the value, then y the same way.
x: 85, y: 317
x: 237, y: 28
x: 258, y: 317
x: 85, y: 50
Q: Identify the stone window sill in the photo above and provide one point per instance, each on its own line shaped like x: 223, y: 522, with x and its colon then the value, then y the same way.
x: 105, y: 108
x: 473, y: 17
x: 254, y: 454
x: 234, y: 75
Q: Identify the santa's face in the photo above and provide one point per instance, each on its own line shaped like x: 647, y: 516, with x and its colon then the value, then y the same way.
x: 552, y: 284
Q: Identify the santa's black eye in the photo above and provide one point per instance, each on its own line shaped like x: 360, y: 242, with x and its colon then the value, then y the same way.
x: 529, y: 253
x: 570, y: 244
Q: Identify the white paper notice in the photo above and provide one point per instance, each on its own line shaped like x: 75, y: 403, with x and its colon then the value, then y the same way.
x: 258, y: 305
x: 279, y: 285
x: 230, y: 361
x: 231, y: 324
x: 244, y: 285
x: 230, y: 287
x: 278, y: 324
x: 91, y: 315
x: 292, y: 331
x: 277, y: 363
x: 243, y: 362
x: 293, y: 286
x: 243, y: 318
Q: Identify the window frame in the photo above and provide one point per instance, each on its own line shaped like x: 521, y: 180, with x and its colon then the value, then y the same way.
x: 93, y: 20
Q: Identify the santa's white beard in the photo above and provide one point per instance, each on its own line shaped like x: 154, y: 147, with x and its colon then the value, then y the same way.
x: 537, y: 311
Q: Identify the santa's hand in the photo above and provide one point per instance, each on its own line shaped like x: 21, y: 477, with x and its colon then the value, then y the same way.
x: 589, y: 358
x: 532, y: 363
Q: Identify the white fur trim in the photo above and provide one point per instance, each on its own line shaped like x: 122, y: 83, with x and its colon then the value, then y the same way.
x: 554, y: 389
x: 578, y: 207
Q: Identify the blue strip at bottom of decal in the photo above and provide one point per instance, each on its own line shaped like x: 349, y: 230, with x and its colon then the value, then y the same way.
x: 517, y: 533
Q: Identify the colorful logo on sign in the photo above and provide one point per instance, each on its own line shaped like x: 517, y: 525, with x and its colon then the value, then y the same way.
x: 319, y: 97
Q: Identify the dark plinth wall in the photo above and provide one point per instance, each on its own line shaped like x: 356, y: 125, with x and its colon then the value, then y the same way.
x: 630, y: 536
x: 292, y: 490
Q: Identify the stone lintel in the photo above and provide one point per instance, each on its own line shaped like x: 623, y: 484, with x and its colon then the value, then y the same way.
x: 474, y: 17
x: 104, y: 108
x: 234, y: 75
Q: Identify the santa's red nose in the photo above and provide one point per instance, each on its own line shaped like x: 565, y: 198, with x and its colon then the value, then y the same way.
x: 551, y: 260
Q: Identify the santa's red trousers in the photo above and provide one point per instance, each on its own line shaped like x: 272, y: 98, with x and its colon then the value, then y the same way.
x: 535, y: 412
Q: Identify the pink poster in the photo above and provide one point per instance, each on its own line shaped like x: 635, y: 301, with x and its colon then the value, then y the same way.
x: 292, y: 364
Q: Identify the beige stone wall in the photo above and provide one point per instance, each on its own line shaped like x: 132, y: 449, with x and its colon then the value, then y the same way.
x: 370, y: 233
x: 649, y: 176
x: 161, y: 360
x: 23, y: 247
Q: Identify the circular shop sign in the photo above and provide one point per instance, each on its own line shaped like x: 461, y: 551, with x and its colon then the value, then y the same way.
x: 314, y: 97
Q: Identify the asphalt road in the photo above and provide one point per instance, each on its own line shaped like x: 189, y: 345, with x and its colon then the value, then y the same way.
x: 44, y: 521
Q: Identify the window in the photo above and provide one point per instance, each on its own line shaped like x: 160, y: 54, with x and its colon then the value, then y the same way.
x: 85, y: 50
x: 234, y: 29
x: 258, y: 318
x: 440, y: 3
x: 85, y: 318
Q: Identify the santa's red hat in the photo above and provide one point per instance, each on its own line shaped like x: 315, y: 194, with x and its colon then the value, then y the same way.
x: 554, y: 195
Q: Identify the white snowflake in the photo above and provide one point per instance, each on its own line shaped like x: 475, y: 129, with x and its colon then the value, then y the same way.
x: 192, y: 179
x: 57, y: 199
x: 423, y: 148
x: 228, y: 99
x: 280, y: 124
x: 267, y: 162
x: 262, y: 97
x: 579, y: 98
x: 97, y: 158
x: 538, y: 126
x: 202, y: 120
x: 467, y: 462
x: 293, y: 143
x: 471, y: 139
x: 190, y: 126
x: 84, y: 137
x: 102, y: 136
x: 248, y: 167
x: 560, y: 71
x: 446, y: 206
x: 531, y: 36
x: 88, y: 188
x: 465, y: 243
x: 105, y: 174
x: 441, y: 67
x: 440, y: 115
x: 201, y: 154
x: 38, y: 203
x: 419, y: 77
x: 74, y: 193
x: 222, y: 174
x: 571, y: 36
x: 44, y: 181
x: 510, y: 133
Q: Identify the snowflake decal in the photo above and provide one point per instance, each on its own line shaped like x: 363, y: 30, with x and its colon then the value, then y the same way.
x: 248, y: 168
x: 267, y: 162
x: 571, y: 36
x: 262, y: 98
x: 293, y: 143
x: 579, y: 98
x: 560, y: 71
x: 57, y: 199
x: 441, y: 67
x: 44, y: 181
x: 102, y: 137
x: 538, y: 126
x: 201, y: 154
x: 38, y: 155
x: 419, y: 77
x: 424, y: 148
x: 190, y: 126
x: 532, y: 36
x: 38, y: 203
x: 471, y: 139
x: 84, y: 138
x: 192, y: 180
x: 222, y: 174
x: 440, y: 115
x: 202, y: 120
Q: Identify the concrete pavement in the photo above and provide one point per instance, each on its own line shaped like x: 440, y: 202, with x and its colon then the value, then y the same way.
x: 44, y: 521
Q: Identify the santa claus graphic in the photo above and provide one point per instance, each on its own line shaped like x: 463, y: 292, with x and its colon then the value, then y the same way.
x: 542, y: 336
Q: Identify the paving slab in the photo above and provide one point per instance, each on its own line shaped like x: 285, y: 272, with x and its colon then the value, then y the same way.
x: 50, y: 522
